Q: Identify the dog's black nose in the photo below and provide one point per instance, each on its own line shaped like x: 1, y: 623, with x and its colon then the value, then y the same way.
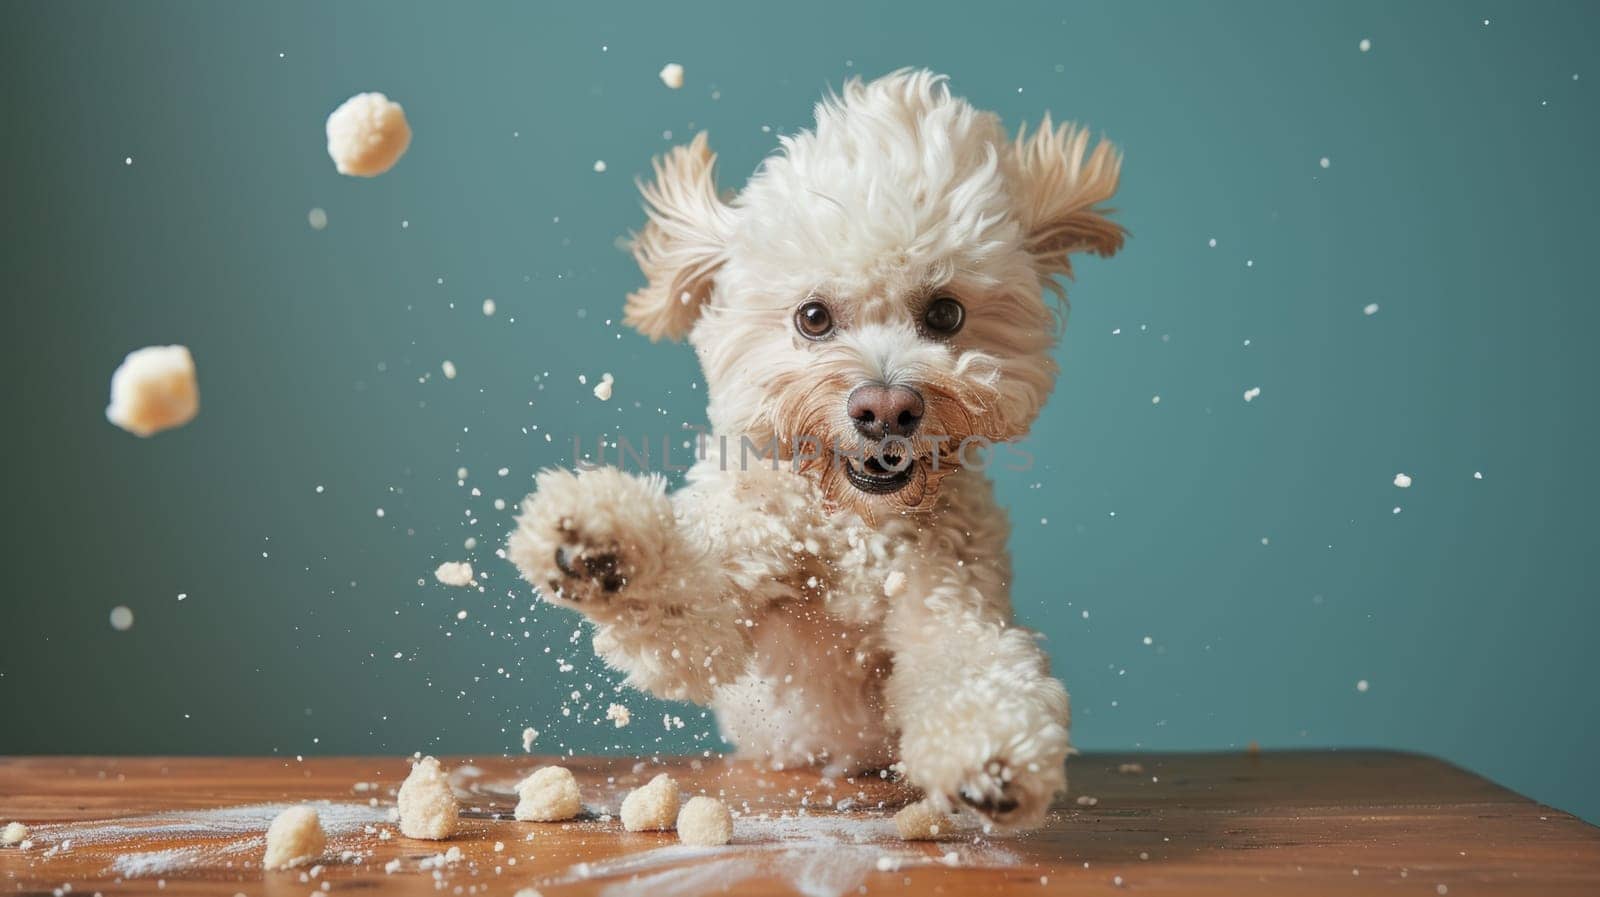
x: 881, y: 411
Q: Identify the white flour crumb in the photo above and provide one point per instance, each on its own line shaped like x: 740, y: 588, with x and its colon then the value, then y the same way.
x: 548, y: 794
x: 1133, y: 769
x: 121, y: 618
x: 894, y: 583
x: 1362, y: 685
x: 599, y: 166
x: 1403, y: 481
x: 367, y: 134
x: 672, y: 75
x: 488, y: 308
x: 705, y: 822
x: 154, y: 389
x: 427, y: 805
x: 454, y: 573
x: 1085, y: 800
x: 602, y: 390
x: 391, y: 867
x: 1365, y: 45
x: 449, y: 369
x: 1371, y: 309
x: 529, y: 735
x: 14, y: 833
x: 1251, y: 393
x: 652, y: 807
x: 618, y: 715
x: 295, y: 837
x: 317, y: 218
x: 921, y: 821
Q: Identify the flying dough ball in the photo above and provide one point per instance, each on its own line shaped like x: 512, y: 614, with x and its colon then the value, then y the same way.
x: 548, y: 794
x: 367, y: 135
x: 705, y: 822
x: 427, y: 805
x: 921, y: 821
x: 295, y: 837
x: 154, y: 389
x: 653, y: 807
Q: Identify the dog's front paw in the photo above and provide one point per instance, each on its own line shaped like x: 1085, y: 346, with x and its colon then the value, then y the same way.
x: 1015, y: 794
x: 997, y: 745
x: 586, y: 568
x: 583, y: 538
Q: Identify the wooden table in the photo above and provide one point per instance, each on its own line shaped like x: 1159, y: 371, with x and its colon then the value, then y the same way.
x: 1316, y: 823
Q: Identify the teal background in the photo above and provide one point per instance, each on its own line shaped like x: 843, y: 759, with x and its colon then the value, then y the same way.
x: 1254, y: 544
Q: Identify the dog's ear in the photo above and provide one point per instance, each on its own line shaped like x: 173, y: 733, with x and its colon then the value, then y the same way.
x: 1058, y: 186
x: 681, y: 246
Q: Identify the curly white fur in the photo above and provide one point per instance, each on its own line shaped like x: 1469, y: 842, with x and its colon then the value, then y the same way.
x: 761, y: 591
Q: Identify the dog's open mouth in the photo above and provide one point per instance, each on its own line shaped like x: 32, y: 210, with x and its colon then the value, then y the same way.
x: 880, y: 476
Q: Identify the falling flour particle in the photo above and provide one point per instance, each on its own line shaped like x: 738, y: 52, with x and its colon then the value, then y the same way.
x: 1365, y: 45
x: 367, y: 134
x: 449, y: 368
x: 894, y: 583
x: 1362, y: 685
x: 672, y: 75
x: 602, y: 390
x: 548, y: 794
x: 121, y: 618
x: 1477, y: 474
x: 454, y: 573
x: 1324, y: 161
x: 599, y: 166
x: 13, y: 833
x: 618, y: 715
x: 529, y: 735
x: 1370, y: 309
x: 1085, y: 800
x: 920, y: 821
x: 1251, y: 393
x: 154, y: 389
x: 1403, y: 481
x: 427, y: 805
x: 488, y: 308
x: 295, y: 837
x: 653, y: 807
x: 705, y: 822
x: 317, y: 218
x: 1131, y: 769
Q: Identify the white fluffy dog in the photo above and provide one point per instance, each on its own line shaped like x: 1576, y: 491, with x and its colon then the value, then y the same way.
x: 865, y: 309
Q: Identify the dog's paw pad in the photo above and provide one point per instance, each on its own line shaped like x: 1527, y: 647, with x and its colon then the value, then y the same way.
x: 598, y: 568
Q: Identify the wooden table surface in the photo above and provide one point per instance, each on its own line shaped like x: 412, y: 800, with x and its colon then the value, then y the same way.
x: 1316, y: 823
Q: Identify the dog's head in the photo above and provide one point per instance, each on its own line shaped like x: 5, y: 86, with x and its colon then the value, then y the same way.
x: 876, y: 290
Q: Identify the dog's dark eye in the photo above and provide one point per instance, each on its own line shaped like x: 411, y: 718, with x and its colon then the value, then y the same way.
x: 944, y: 316
x: 813, y: 320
